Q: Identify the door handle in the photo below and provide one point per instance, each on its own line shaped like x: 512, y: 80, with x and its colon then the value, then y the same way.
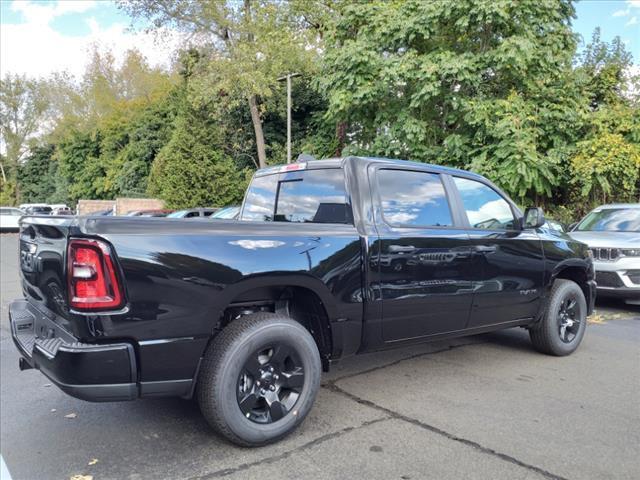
x: 484, y: 249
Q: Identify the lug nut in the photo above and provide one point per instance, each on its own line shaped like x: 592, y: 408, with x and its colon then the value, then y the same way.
x: 272, y: 388
x: 263, y: 391
x: 258, y: 383
x: 276, y: 376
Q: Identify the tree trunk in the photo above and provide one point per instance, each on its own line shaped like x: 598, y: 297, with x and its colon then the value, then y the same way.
x: 257, y: 128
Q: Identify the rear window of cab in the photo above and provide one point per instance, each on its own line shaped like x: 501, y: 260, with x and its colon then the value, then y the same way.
x: 303, y: 196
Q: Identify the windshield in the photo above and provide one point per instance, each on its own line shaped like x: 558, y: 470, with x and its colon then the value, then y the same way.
x: 611, y: 220
x: 227, y: 213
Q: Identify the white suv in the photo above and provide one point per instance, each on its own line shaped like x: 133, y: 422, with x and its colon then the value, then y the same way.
x: 613, y: 235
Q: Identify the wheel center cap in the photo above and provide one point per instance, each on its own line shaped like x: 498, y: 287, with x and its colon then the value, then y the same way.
x: 266, y: 378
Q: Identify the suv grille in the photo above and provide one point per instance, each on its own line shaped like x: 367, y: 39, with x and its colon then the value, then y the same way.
x: 608, y: 279
x: 606, y: 254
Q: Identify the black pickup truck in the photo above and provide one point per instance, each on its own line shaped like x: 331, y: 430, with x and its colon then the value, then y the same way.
x: 329, y: 258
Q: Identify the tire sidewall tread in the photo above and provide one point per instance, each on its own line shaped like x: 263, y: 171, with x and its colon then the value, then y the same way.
x: 545, y: 335
x: 221, y: 367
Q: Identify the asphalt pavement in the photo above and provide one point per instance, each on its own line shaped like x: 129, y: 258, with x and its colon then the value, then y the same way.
x: 486, y: 406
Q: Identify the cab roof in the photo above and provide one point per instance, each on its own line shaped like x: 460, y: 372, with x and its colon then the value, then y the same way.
x: 339, y: 162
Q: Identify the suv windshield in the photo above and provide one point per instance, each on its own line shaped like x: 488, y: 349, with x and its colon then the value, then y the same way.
x: 309, y: 196
x: 611, y: 220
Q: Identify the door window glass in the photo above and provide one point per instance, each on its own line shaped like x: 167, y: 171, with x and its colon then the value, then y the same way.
x: 484, y: 207
x: 413, y: 199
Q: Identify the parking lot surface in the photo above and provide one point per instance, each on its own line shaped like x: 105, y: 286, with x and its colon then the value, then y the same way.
x: 486, y: 406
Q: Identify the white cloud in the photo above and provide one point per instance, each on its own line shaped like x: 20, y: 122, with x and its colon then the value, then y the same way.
x: 630, y: 4
x: 36, y: 49
x: 633, y: 21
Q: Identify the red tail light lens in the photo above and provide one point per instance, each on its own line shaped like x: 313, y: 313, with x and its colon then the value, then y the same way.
x: 93, y: 282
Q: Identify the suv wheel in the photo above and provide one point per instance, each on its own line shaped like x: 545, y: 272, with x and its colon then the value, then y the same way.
x: 259, y: 378
x: 562, y: 326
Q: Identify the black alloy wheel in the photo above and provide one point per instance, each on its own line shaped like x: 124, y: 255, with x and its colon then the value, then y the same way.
x: 568, y: 321
x: 270, y: 383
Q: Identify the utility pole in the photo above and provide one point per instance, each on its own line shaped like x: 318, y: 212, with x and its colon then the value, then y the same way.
x: 288, y: 78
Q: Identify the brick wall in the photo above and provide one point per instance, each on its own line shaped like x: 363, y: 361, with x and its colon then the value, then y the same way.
x: 121, y: 205
x: 124, y: 205
x: 86, y: 207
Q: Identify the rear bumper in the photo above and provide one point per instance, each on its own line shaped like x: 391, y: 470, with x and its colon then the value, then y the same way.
x: 93, y: 372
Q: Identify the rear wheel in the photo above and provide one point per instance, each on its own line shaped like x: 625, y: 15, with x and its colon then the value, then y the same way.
x: 259, y: 379
x: 562, y: 326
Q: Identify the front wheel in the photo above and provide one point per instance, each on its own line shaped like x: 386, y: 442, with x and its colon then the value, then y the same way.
x: 259, y: 379
x: 562, y: 326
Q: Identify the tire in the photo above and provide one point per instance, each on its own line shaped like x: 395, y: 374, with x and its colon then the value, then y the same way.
x: 547, y: 335
x: 237, y: 369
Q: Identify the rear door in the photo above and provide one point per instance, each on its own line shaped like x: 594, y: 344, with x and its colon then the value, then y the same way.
x: 510, y: 262
x: 425, y: 266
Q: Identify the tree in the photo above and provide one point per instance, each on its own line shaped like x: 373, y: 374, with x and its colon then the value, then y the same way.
x: 606, y: 65
x: 249, y: 44
x: 481, y: 84
x: 37, y: 176
x: 189, y: 173
x: 22, y: 108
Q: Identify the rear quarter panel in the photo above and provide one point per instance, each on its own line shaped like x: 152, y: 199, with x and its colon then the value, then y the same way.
x: 180, y: 276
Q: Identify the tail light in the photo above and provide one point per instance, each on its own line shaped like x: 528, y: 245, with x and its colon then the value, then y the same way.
x: 93, y: 281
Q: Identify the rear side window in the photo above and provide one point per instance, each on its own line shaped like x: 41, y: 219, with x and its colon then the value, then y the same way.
x: 484, y: 207
x: 310, y: 196
x: 413, y: 199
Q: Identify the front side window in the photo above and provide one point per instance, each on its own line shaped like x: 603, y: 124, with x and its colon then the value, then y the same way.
x: 484, y: 207
x: 413, y: 199
x: 311, y: 196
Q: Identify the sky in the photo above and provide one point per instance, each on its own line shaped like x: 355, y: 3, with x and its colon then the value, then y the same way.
x: 44, y: 36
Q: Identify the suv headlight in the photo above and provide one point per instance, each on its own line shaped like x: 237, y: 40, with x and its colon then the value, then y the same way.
x: 631, y: 252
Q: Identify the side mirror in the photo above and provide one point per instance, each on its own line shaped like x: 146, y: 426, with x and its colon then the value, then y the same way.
x: 572, y: 226
x: 533, y: 218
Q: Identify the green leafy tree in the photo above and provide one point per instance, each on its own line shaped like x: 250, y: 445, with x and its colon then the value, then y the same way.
x: 191, y: 170
x: 37, y: 176
x: 606, y: 168
x: 248, y: 45
x: 606, y: 67
x: 482, y: 84
x: 22, y: 108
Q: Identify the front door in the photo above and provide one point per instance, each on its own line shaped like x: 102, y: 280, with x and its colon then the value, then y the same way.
x: 425, y: 264
x: 510, y: 262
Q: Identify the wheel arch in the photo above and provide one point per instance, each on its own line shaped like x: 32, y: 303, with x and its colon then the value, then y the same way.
x: 576, y: 270
x: 303, y: 298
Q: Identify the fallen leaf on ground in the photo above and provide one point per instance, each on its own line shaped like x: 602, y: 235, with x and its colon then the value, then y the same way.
x: 81, y: 477
x: 71, y: 415
x: 93, y: 461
